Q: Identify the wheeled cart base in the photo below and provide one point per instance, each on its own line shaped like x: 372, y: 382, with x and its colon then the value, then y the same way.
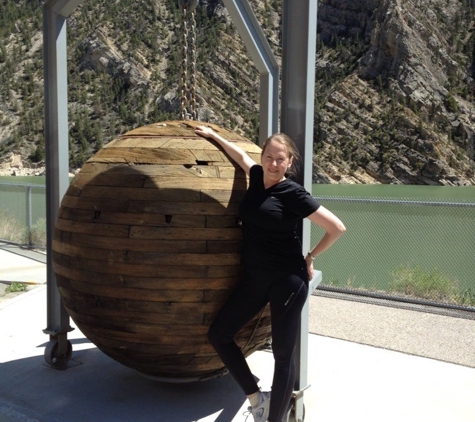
x: 58, y: 351
x: 296, y: 411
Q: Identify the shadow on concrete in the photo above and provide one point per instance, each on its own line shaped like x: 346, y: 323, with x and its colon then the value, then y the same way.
x: 96, y: 388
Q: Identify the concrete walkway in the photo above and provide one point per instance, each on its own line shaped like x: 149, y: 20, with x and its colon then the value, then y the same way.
x: 366, y: 363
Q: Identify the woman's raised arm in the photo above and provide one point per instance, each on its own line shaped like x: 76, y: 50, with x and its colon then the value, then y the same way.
x: 234, y: 151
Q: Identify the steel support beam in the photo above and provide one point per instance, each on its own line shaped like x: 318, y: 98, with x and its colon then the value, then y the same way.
x: 259, y: 50
x: 299, y: 32
x: 56, y: 153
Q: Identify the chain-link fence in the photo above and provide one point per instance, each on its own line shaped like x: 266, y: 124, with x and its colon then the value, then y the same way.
x: 23, y: 214
x: 420, y: 251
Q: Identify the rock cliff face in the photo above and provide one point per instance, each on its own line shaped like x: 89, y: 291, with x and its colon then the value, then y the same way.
x: 400, y: 105
x: 101, y: 54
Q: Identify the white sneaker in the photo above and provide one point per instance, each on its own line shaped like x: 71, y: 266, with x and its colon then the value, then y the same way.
x: 260, y: 413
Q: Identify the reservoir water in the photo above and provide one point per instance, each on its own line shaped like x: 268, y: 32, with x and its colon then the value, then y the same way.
x: 388, y: 227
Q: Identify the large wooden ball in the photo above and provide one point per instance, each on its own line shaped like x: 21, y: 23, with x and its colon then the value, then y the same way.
x: 147, y: 246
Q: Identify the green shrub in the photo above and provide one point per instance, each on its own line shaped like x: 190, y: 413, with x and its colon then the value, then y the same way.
x: 16, y: 287
x: 10, y: 229
x: 466, y: 297
x: 424, y: 283
x: 38, y: 233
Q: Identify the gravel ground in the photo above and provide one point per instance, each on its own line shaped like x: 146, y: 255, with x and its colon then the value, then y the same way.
x: 417, y: 331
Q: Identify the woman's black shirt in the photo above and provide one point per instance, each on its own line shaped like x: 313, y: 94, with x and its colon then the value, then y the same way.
x: 269, y: 222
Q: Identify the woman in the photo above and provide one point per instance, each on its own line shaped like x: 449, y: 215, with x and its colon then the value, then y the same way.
x: 276, y: 272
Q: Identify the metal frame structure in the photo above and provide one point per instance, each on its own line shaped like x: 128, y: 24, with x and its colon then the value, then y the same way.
x: 258, y: 48
x: 55, y: 14
x: 299, y: 23
x: 299, y: 32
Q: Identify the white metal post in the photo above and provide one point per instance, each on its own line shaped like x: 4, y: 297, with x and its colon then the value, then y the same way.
x: 299, y: 32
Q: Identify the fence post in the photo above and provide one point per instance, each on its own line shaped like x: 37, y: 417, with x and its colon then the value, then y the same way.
x: 29, y: 214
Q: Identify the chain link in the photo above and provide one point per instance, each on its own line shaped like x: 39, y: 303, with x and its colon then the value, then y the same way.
x: 184, y: 60
x: 188, y: 50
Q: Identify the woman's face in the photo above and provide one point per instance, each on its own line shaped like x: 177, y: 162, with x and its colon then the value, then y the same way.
x: 275, y: 161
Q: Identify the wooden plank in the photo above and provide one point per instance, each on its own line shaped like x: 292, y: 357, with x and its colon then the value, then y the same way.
x: 223, y: 196
x: 222, y: 221
x: 124, y: 269
x: 173, y: 307
x: 151, y: 337
x: 185, y: 233
x: 157, y: 348
x: 196, y: 184
x: 96, y: 168
x: 224, y: 246
x: 88, y: 253
x: 230, y: 172
x: 127, y: 180
x: 155, y: 352
x: 151, y: 295
x: 92, y: 170
x: 216, y: 295
x: 60, y: 235
x: 223, y: 271
x: 143, y: 194
x: 133, y: 317
x: 140, y: 342
x: 144, y: 219
x: 68, y: 274
x: 65, y: 274
x: 191, y: 171
x: 226, y: 284
x: 194, y: 367
x: 79, y: 302
x: 179, y: 246
x: 167, y: 128
x: 182, y: 208
x: 124, y: 324
x: 173, y: 258
x: 144, y: 156
x: 104, y: 204
x: 209, y: 156
x: 176, y: 369
x: 73, y: 189
x: 164, y: 142
x: 96, y: 229
x: 181, y: 128
x: 168, y: 258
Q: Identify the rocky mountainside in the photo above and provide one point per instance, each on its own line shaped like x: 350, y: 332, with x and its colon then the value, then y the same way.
x: 394, y: 88
x: 398, y: 106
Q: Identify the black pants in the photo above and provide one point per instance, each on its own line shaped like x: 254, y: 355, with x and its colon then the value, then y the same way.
x: 287, y: 294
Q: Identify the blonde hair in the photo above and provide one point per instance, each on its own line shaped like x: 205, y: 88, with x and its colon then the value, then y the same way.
x: 292, y: 151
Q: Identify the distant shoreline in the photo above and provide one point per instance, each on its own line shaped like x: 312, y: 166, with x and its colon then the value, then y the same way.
x: 28, y: 172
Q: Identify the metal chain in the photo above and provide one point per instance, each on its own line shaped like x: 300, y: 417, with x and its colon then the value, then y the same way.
x: 188, y: 38
x: 184, y: 64
x: 192, y: 43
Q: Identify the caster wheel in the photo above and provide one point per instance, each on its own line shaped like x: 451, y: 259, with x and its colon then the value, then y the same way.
x: 53, y: 358
x: 292, y: 417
